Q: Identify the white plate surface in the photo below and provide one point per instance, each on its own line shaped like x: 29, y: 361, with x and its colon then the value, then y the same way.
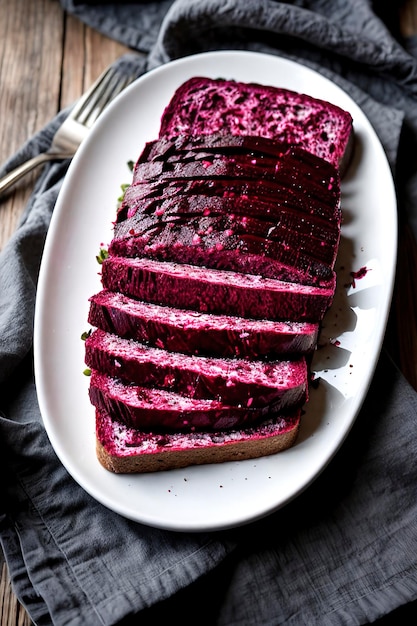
x: 214, y: 496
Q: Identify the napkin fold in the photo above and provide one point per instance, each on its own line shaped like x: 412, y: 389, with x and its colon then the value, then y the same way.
x: 343, y: 552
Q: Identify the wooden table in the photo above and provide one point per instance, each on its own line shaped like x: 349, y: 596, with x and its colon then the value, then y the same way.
x: 47, y: 60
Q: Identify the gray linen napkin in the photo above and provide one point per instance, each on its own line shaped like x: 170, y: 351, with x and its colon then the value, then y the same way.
x: 344, y: 552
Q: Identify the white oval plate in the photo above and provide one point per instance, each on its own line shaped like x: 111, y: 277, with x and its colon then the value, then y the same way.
x: 219, y: 496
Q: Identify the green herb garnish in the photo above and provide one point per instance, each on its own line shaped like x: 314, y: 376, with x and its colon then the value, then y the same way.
x: 103, y: 254
x: 123, y: 188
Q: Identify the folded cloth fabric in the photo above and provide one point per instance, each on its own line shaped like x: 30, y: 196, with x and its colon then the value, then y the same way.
x: 345, y: 551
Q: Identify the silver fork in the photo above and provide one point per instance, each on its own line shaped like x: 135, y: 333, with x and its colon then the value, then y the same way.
x: 75, y: 127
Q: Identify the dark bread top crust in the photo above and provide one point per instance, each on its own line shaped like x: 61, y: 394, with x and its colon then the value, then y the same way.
x: 242, y: 215
x: 125, y: 450
x: 191, y: 332
x: 254, y: 197
x: 165, y: 147
x: 203, y: 105
x: 288, y: 169
x: 229, y: 241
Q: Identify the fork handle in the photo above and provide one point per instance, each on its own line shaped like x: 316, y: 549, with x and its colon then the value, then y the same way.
x: 12, y: 177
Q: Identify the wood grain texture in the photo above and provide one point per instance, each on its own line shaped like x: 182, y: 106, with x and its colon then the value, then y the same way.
x: 11, y: 611
x: 86, y: 53
x: 30, y: 61
x: 47, y: 60
x: 408, y: 18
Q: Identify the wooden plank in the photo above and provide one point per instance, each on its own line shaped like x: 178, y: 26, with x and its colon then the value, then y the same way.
x: 73, y: 66
x: 30, y: 60
x: 405, y: 304
x: 11, y: 611
x: 408, y: 18
x: 86, y: 55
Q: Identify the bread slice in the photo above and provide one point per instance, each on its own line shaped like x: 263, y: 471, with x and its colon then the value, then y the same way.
x: 229, y: 241
x: 204, y: 105
x: 251, y: 383
x: 191, y: 332
x: 125, y: 450
x: 207, y: 231
x: 150, y: 408
x: 250, y: 196
x: 295, y: 175
x: 217, y: 291
x: 164, y: 147
x: 279, y: 168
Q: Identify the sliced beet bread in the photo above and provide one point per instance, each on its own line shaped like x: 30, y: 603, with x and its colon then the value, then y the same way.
x: 165, y: 146
x: 249, y: 383
x: 191, y: 332
x: 284, y: 248
x: 152, y: 409
x: 230, y: 241
x: 220, y: 270
x: 294, y: 164
x: 217, y: 291
x: 250, y: 197
x: 232, y: 196
x: 204, y: 105
x: 125, y: 450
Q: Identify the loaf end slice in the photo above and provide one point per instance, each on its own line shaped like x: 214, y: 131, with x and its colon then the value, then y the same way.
x: 125, y: 450
x: 204, y: 105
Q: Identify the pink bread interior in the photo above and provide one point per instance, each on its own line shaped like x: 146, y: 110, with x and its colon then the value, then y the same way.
x: 203, y: 105
x: 248, y: 382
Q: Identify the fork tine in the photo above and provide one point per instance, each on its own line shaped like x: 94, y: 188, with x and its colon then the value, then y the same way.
x: 92, y: 96
x: 109, y: 91
x: 90, y: 93
x: 109, y: 84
